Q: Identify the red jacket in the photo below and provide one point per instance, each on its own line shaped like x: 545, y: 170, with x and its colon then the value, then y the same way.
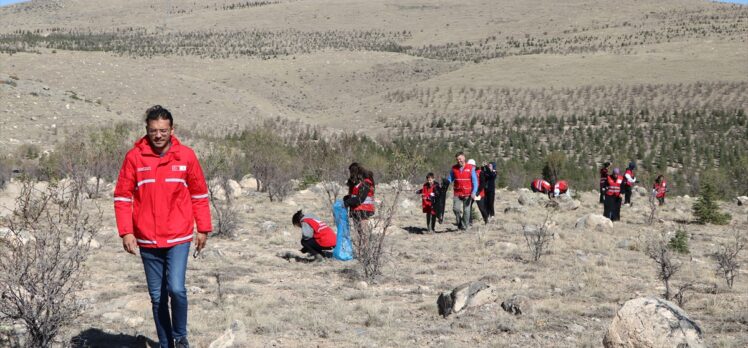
x: 463, y: 181
x: 614, y: 186
x: 368, y: 203
x: 660, y: 189
x: 630, y: 173
x: 561, y: 186
x: 323, y: 234
x: 159, y: 199
x: 427, y: 194
x: 541, y: 185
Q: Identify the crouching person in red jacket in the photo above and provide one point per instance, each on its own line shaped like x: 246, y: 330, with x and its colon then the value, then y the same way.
x: 159, y: 198
x: 317, y: 239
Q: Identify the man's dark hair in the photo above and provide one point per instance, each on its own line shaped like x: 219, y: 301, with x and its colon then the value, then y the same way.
x: 429, y: 175
x: 157, y: 112
x: 296, y: 219
x: 459, y: 154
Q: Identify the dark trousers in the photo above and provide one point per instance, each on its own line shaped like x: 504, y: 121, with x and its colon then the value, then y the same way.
x: 661, y: 200
x: 312, y: 247
x: 612, y: 208
x: 430, y: 222
x: 483, y: 208
x: 626, y: 193
x: 489, y: 201
x: 602, y: 195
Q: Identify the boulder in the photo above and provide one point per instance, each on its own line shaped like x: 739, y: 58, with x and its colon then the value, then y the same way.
x: 22, y: 237
x: 406, y: 204
x: 641, y: 191
x: 517, y: 304
x: 248, y: 182
x: 235, y: 190
x: 268, y: 227
x: 234, y: 336
x: 471, y: 294
x: 652, y: 322
x: 594, y: 221
x: 527, y: 198
x: 742, y: 200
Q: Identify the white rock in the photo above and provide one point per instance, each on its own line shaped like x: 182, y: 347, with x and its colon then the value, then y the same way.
x: 248, y: 182
x: 235, y: 190
x: 594, y: 221
x: 651, y: 322
x: 234, y: 336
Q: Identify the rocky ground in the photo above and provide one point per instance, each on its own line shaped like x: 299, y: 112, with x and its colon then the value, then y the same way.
x: 242, y: 291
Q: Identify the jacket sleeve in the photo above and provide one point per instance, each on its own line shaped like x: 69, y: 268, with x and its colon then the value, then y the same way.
x: 200, y: 197
x: 123, y: 197
x: 474, y: 180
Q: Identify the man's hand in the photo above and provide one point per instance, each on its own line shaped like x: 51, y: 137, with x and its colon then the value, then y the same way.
x: 473, y: 197
x: 129, y: 243
x: 202, y: 238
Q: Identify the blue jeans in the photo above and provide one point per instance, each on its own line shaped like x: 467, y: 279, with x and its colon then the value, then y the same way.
x: 165, y: 270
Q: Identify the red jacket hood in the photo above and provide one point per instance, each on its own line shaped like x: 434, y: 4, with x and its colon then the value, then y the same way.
x: 144, y: 146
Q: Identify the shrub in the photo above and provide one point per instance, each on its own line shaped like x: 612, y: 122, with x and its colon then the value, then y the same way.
x: 40, y: 275
x: 538, y: 239
x: 667, y: 266
x: 706, y: 210
x: 679, y: 242
x: 727, y: 257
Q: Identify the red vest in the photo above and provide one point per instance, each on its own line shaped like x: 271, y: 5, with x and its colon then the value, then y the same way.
x: 614, y: 186
x: 661, y: 189
x: 630, y: 173
x: 368, y: 203
x: 561, y: 186
x: 426, y: 203
x: 463, y: 182
x: 541, y: 185
x: 323, y: 234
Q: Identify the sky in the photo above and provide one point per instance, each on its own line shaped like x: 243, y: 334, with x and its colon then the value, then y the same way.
x: 8, y: 2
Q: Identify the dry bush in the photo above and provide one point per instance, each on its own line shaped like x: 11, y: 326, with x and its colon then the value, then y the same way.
x: 217, y: 162
x: 727, y: 256
x: 539, y: 239
x: 39, y: 273
x: 658, y: 250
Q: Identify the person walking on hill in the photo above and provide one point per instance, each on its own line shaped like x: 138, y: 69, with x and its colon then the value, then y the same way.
x: 603, y: 180
x: 628, y: 183
x: 429, y: 194
x: 360, y: 197
x: 317, y: 238
x: 659, y: 189
x: 612, y: 206
x: 481, y: 196
x: 465, y: 182
x: 489, y: 178
x: 160, y: 196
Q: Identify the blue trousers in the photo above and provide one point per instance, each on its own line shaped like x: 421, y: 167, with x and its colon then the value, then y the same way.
x: 165, y: 270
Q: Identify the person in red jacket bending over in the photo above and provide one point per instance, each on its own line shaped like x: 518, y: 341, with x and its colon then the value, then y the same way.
x: 542, y: 186
x: 159, y: 198
x: 429, y: 193
x: 317, y: 239
x: 360, y: 197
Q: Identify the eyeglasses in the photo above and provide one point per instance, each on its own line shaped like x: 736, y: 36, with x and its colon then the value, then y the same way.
x: 158, y: 131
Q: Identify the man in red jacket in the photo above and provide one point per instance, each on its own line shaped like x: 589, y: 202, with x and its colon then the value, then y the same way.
x: 160, y: 195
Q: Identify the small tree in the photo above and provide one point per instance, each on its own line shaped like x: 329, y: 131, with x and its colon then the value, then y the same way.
x: 652, y: 209
x: 554, y: 162
x: 657, y: 249
x: 216, y: 162
x: 538, y: 239
x: 706, y: 210
x: 679, y: 242
x: 39, y: 274
x: 727, y: 256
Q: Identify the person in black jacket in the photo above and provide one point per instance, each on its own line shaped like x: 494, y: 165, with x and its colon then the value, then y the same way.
x: 488, y: 179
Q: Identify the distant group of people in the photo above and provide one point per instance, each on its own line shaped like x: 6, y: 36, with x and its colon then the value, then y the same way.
x: 613, y: 185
